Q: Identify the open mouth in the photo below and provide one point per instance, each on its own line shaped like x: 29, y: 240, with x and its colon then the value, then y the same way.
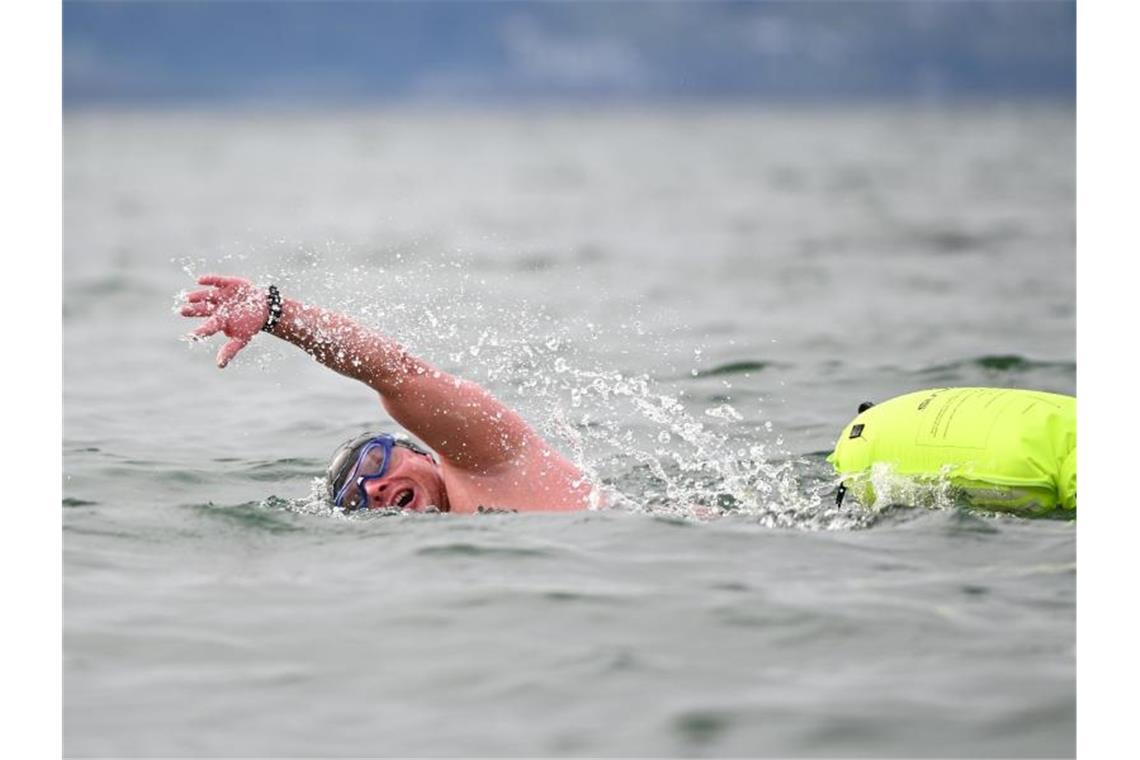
x: 404, y: 498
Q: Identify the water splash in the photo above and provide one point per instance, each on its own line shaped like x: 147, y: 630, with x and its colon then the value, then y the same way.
x: 656, y: 445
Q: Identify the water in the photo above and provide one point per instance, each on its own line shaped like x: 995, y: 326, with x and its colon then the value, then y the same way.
x: 691, y: 303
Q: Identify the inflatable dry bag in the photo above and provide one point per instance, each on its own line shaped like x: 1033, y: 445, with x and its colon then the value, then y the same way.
x: 1002, y: 449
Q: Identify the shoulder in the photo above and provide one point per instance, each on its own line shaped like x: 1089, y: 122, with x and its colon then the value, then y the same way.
x: 540, y: 480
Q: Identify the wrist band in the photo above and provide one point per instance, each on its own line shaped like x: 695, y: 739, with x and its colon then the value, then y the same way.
x: 274, y: 309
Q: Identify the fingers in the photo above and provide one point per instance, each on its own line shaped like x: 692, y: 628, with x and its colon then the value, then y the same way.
x: 215, y: 302
x: 220, y: 281
x: 208, y: 328
x: 199, y: 310
x: 209, y: 296
x: 229, y: 351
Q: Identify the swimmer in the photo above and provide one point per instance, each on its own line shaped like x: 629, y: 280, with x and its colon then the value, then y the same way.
x: 486, y: 455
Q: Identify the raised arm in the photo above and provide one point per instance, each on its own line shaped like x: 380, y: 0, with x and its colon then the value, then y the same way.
x: 460, y: 420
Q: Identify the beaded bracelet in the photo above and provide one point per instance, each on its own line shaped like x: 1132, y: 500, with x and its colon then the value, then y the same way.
x: 275, y: 309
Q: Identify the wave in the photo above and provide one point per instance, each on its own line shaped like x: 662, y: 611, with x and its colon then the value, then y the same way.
x: 268, y: 516
x: 272, y: 470
x: 957, y: 240
x: 467, y: 549
x: 737, y: 368
x: 1000, y: 363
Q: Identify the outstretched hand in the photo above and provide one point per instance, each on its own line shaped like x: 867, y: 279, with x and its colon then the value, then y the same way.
x: 231, y: 305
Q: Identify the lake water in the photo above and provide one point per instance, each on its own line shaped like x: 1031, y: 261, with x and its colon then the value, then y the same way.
x: 689, y: 302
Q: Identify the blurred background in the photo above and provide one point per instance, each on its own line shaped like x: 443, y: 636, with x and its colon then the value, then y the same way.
x: 319, y: 54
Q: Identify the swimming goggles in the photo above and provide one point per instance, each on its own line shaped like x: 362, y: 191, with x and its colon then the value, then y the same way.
x: 373, y: 457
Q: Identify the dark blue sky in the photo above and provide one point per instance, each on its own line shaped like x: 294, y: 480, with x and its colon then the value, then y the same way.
x: 382, y: 52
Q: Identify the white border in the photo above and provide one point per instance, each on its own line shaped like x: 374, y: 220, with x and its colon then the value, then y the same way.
x: 31, y: 152
x: 1108, y: 211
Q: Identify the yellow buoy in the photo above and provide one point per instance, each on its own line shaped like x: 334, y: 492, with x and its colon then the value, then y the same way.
x: 1002, y: 449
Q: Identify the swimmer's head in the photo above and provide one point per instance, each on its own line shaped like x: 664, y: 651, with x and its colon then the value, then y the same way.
x: 383, y: 471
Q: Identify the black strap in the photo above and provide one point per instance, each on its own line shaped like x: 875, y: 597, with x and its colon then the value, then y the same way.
x: 839, y: 494
x: 275, y: 309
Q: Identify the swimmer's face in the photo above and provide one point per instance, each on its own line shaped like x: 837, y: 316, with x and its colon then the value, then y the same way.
x: 413, y: 482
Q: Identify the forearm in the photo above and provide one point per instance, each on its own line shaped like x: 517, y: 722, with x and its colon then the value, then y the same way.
x: 457, y: 418
x: 347, y: 347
